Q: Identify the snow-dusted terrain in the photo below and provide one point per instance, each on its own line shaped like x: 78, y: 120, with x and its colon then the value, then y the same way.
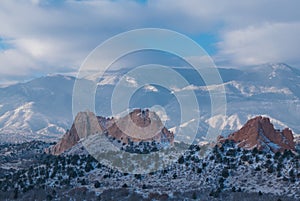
x: 41, y: 108
x: 225, y: 173
x: 38, y: 109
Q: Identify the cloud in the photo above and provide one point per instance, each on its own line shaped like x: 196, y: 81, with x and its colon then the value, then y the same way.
x: 47, y: 39
x: 250, y: 33
x: 54, y: 36
x: 275, y: 42
x: 16, y: 62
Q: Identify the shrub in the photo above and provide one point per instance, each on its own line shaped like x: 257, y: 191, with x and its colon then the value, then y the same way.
x: 97, y: 184
x: 225, y: 173
x: 194, y: 196
x: 181, y: 160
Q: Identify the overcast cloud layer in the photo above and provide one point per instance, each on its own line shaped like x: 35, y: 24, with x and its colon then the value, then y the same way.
x: 41, y: 37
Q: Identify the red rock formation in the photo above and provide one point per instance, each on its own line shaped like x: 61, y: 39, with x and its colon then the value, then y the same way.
x: 139, y: 125
x: 85, y: 124
x: 69, y: 139
x: 141, y: 117
x: 259, y: 132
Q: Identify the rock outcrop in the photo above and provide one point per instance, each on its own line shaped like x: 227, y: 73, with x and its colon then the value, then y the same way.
x: 259, y: 132
x: 138, y: 125
x: 85, y: 124
x: 69, y: 139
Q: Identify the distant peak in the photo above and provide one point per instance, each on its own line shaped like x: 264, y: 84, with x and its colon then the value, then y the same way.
x: 59, y: 76
x: 280, y: 66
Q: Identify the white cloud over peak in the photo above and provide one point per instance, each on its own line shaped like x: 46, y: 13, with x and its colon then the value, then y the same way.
x: 271, y: 42
x: 56, y: 36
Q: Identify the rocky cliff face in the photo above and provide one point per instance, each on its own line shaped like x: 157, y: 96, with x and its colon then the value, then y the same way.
x: 139, y: 125
x: 259, y: 132
x: 85, y: 124
x: 69, y: 139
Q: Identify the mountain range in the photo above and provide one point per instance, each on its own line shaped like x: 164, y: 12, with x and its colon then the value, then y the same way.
x: 42, y: 108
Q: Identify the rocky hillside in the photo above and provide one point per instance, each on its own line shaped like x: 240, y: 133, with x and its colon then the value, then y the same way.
x: 259, y: 132
x: 227, y: 172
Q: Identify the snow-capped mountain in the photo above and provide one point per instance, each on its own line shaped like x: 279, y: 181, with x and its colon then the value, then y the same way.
x: 271, y: 90
x: 42, y: 107
x: 39, y: 109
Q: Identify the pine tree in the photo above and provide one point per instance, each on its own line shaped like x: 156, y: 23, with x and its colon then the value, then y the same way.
x: 16, y: 192
x: 97, y: 184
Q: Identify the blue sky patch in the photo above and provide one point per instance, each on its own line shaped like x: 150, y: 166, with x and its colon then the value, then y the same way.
x: 4, y: 45
x: 207, y: 42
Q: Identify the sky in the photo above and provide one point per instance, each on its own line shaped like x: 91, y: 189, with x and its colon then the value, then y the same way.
x: 41, y: 37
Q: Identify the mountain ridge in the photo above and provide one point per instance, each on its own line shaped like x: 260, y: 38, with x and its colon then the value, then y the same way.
x: 249, y: 93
